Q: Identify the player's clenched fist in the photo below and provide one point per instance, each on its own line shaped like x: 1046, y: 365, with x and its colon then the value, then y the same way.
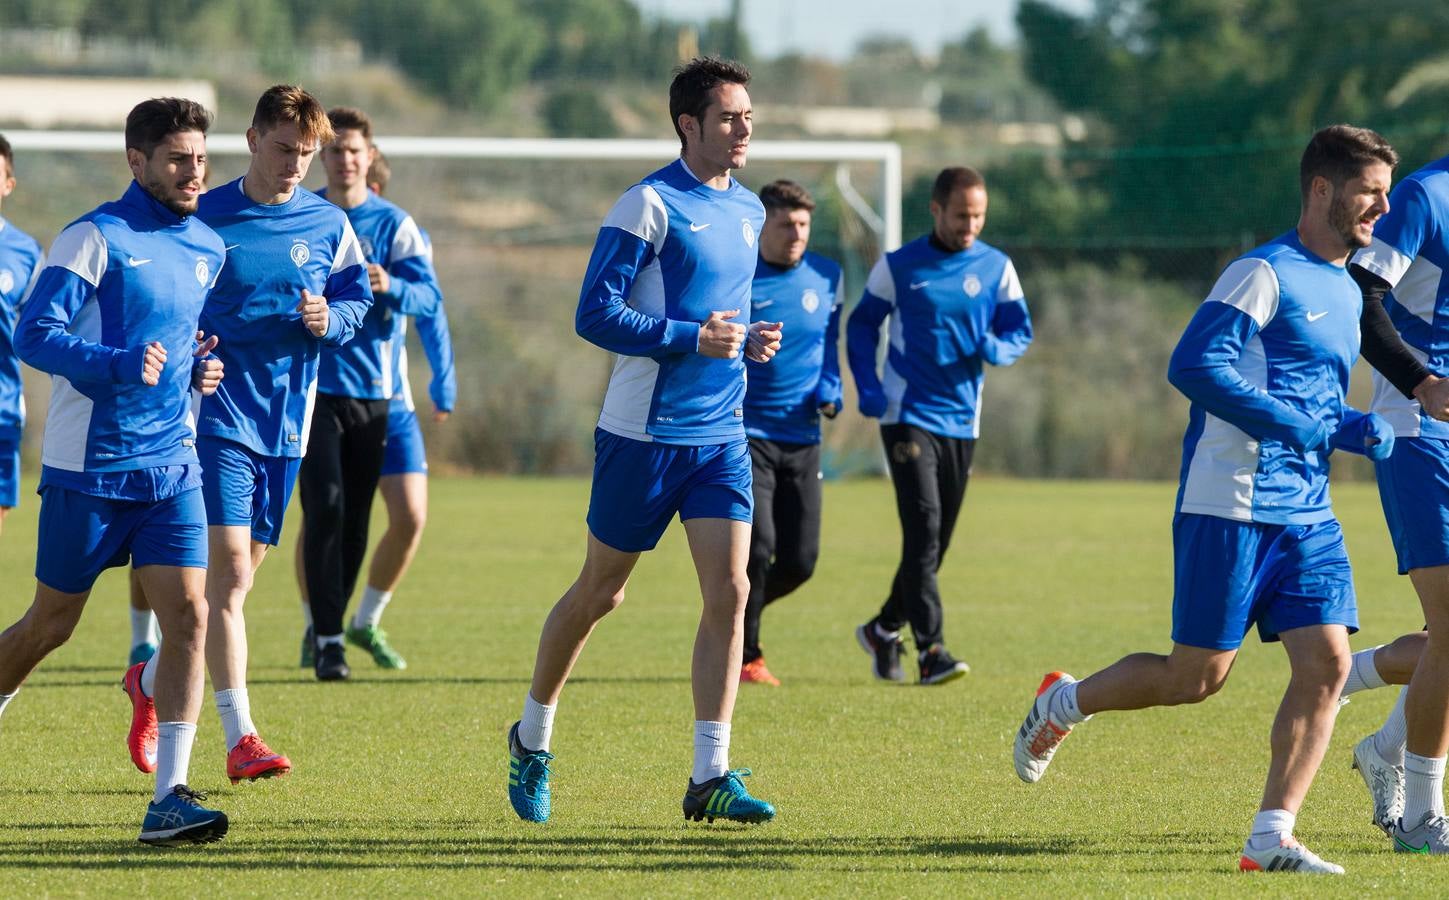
x: 314, y: 313
x: 764, y: 340
x: 719, y: 337
x: 206, y: 371
x: 152, y: 363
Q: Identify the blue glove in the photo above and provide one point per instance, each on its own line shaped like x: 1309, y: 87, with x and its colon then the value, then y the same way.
x: 1368, y: 434
x: 873, y: 405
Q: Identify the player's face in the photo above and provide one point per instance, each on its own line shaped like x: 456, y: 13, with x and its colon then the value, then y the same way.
x: 786, y: 232
x: 961, y: 219
x: 347, y: 158
x: 721, y: 138
x: 175, y: 171
x: 1358, y: 203
x: 280, y: 157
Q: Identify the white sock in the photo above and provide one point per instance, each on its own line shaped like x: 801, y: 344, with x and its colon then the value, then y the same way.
x: 236, y: 715
x: 143, y: 627
x: 1391, y: 736
x: 1423, y: 787
x: 535, y: 729
x: 711, y: 750
x: 307, y: 613
x: 1064, y: 710
x: 173, y: 756
x: 148, y: 674
x: 369, y: 611
x: 6, y: 698
x: 1363, y: 675
x: 1270, y: 828
x: 324, y: 639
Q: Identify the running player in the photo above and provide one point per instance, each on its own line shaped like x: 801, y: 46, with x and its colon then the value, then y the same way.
x: 113, y: 319
x: 21, y: 261
x: 783, y: 405
x: 355, y: 384
x: 295, y: 280
x: 955, y: 305
x: 1265, y: 362
x: 670, y: 271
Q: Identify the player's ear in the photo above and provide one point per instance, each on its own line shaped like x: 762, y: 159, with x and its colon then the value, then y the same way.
x: 136, y: 160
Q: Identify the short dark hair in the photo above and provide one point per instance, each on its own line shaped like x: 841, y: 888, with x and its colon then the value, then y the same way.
x: 350, y: 118
x: 289, y: 103
x: 151, y: 121
x: 693, y: 81
x: 1342, y: 152
x: 379, y: 173
x: 8, y: 155
x: 785, y: 194
x: 953, y: 179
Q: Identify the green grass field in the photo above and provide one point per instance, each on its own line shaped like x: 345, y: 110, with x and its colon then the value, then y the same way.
x: 883, y: 790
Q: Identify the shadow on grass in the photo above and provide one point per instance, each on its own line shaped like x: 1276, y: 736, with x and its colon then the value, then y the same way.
x: 41, y: 682
x: 319, y: 845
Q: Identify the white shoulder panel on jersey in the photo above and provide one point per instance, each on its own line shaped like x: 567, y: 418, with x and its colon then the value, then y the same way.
x: 1250, y: 285
x: 839, y: 290
x: 349, y: 251
x: 641, y: 212
x: 408, y: 242
x: 1010, y: 287
x: 34, y: 277
x: 82, y: 249
x: 1383, y: 260
x: 881, y: 283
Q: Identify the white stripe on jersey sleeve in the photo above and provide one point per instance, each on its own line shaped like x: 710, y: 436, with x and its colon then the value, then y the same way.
x: 1383, y: 260
x: 408, y: 242
x: 881, y: 283
x: 1010, y: 287
x: 349, y: 251
x: 82, y: 249
x: 1250, y: 285
x: 839, y: 290
x: 641, y: 213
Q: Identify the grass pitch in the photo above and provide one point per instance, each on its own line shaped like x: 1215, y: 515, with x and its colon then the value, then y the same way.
x: 883, y: 790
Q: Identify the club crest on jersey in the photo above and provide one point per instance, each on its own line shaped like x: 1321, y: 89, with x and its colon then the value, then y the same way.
x: 299, y: 252
x: 203, y: 271
x: 366, y: 244
x: 749, y: 232
x: 810, y: 300
x: 972, y: 285
x: 7, y: 281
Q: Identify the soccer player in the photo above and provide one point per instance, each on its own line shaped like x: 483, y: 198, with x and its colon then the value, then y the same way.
x: 21, y: 261
x: 955, y: 304
x: 784, y: 401
x: 355, y: 385
x: 113, y: 319
x: 1402, y: 273
x: 670, y: 271
x: 295, y: 280
x: 1265, y: 362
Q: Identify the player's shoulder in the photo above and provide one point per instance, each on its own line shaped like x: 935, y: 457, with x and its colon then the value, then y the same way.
x: 909, y: 252
x: 823, y: 266
x: 18, y: 241
x: 222, y: 199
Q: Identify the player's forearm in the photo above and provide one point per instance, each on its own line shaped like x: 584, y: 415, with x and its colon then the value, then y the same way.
x: 413, y: 289
x: 1223, y: 392
x: 619, y: 329
x: 1383, y: 347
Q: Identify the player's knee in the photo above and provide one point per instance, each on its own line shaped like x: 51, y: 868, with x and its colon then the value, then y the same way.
x: 49, y: 633
x: 1195, y: 687
x: 794, y: 570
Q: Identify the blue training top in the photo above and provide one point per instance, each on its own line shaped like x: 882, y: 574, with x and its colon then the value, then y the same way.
x: 21, y: 260
x: 273, y: 252
x: 783, y: 396
x: 671, y: 252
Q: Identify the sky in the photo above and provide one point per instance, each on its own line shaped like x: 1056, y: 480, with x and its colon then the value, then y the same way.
x: 832, y: 28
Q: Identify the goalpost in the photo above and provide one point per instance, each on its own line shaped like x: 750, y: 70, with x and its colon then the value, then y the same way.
x: 884, y: 218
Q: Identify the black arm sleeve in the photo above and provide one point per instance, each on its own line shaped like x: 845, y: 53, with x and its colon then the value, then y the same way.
x: 1382, y: 346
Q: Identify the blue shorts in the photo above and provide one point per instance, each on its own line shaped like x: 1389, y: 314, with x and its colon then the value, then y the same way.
x: 1414, y: 488
x: 404, y: 452
x: 640, y: 485
x: 9, y: 472
x: 246, y: 488
x: 1230, y: 575
x: 81, y: 535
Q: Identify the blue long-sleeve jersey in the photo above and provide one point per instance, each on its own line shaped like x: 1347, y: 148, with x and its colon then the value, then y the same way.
x: 366, y: 367
x: 1265, y: 362
x: 671, y: 252
x: 437, y: 345
x: 125, y: 275
x: 783, y: 396
x: 1410, y: 250
x: 273, y: 252
x: 21, y: 260
x: 950, y: 314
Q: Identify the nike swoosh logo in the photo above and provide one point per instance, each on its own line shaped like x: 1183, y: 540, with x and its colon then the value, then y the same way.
x: 694, y: 227
x: 763, y: 303
x: 1314, y: 317
x: 917, y: 285
x: 133, y: 261
x: 231, y: 246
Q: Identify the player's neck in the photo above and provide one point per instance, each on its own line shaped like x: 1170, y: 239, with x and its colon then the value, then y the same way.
x: 258, y: 191
x: 1320, y: 239
x: 347, y: 196
x: 707, y: 174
